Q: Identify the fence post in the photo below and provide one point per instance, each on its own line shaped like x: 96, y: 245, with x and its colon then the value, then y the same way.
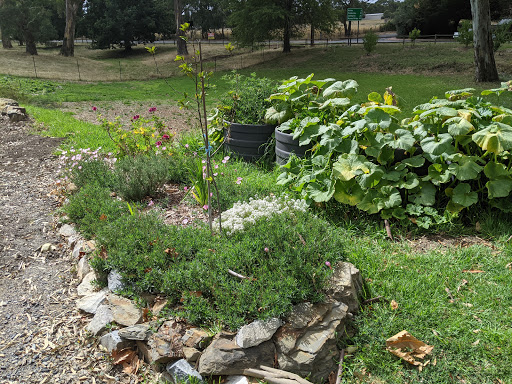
x: 435, y: 38
x: 120, y: 79
x: 35, y: 70
x: 78, y: 66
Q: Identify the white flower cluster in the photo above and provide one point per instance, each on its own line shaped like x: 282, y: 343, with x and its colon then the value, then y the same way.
x: 247, y: 213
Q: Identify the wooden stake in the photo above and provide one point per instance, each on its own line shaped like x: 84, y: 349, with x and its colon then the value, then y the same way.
x: 388, y: 229
x: 340, y: 368
x: 35, y: 70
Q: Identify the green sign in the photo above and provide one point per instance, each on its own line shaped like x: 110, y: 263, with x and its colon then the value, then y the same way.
x: 354, y: 14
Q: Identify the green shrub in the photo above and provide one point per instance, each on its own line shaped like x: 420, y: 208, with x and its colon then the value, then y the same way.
x: 465, y: 31
x: 92, y: 172
x: 140, y: 176
x: 370, y: 40
x: 414, y: 34
x: 92, y: 207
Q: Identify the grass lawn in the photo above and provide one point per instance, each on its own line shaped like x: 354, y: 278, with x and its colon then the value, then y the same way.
x: 452, y: 286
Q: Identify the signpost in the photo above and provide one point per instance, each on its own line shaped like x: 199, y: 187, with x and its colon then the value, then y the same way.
x: 354, y: 14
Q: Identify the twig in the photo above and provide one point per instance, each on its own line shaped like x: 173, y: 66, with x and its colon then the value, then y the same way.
x: 302, y: 239
x: 510, y: 238
x: 449, y: 294
x: 233, y: 273
x: 375, y: 299
x: 340, y: 368
x: 388, y: 229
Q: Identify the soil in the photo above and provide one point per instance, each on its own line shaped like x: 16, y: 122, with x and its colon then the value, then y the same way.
x: 42, y: 337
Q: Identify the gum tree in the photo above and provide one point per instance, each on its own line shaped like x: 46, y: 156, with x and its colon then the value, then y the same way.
x: 68, y: 43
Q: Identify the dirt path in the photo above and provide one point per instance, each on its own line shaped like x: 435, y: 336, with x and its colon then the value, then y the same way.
x: 40, y: 329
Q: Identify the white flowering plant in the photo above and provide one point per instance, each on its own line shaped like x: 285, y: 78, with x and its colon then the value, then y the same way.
x: 243, y: 214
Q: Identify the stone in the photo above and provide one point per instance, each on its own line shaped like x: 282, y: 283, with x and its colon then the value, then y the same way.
x: 257, y: 332
x: 72, y: 242
x: 236, y: 379
x: 113, y: 342
x: 4, y: 103
x: 83, y: 268
x: 191, y: 354
x: 345, y: 285
x: 15, y: 116
x: 311, y: 350
x: 158, y: 306
x: 196, y: 338
x: 102, y: 317
x: 136, y: 332
x: 165, y: 345
x: 124, y: 310
x: 86, y: 287
x: 181, y: 372
x: 47, y: 247
x: 67, y: 230
x: 224, y: 357
x: 114, y: 281
x: 91, y: 303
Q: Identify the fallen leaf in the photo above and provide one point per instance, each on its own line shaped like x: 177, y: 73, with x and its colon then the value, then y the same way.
x: 123, y: 356
x: 469, y: 305
x: 103, y: 217
x: 145, y: 313
x: 408, y: 348
x: 509, y: 266
x: 462, y: 283
x: 394, y: 305
x: 475, y: 343
x: 132, y: 366
x: 473, y: 271
x: 476, y: 330
x: 478, y: 227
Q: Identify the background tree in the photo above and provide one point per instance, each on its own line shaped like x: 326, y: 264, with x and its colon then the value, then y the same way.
x: 485, y: 66
x: 207, y: 14
x: 110, y: 22
x: 319, y: 15
x: 68, y: 42
x: 181, y: 43
x: 6, y: 39
x: 29, y: 20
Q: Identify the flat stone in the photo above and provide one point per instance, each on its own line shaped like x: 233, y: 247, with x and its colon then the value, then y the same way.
x: 47, y: 247
x: 181, y: 372
x: 67, y: 230
x: 114, y: 281
x: 236, y: 379
x: 196, y: 338
x: 191, y: 354
x: 86, y: 287
x: 15, y: 116
x: 224, y: 357
x: 4, y: 103
x: 91, y: 303
x: 72, y: 242
x: 124, y: 310
x: 136, y: 332
x: 257, y: 332
x: 102, y: 317
x: 345, y: 285
x: 158, y: 306
x: 83, y: 268
x: 306, y: 314
x: 113, y: 342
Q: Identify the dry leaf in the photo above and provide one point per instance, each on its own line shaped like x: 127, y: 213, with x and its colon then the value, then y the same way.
x: 123, y: 356
x: 132, y: 366
x: 145, y: 313
x: 478, y: 227
x: 462, y: 283
x: 473, y: 271
x: 103, y: 217
x: 475, y: 343
x: 435, y: 332
x: 509, y: 266
x: 476, y: 330
x: 469, y: 305
x: 408, y: 348
x: 394, y: 305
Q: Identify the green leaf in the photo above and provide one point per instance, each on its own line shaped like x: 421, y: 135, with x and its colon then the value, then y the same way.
x: 413, y: 209
x: 390, y: 196
x: 348, y: 192
x: 438, y: 173
x: 411, y: 181
x: 404, y: 140
x: 414, y: 162
x: 371, y: 203
x: 463, y: 195
x: 346, y: 88
x: 459, y: 94
x: 458, y: 126
x: 278, y: 114
x: 338, y: 102
x: 372, y: 178
x: 499, y: 187
x: 426, y: 194
x: 375, y: 97
x: 437, y: 145
x: 349, y: 166
x: 321, y: 190
x: 466, y: 168
x: 495, y: 170
x: 399, y: 213
x: 496, y: 138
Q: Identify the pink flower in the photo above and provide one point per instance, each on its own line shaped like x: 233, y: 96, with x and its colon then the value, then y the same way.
x: 166, y: 137
x: 135, y: 117
x: 164, y: 148
x: 152, y: 109
x: 239, y: 180
x: 216, y: 166
x: 211, y: 194
x: 185, y: 189
x: 328, y: 264
x: 94, y: 109
x: 194, y: 153
x: 266, y: 249
x: 215, y: 174
x: 205, y: 207
x: 158, y: 143
x: 184, y: 222
x: 151, y: 202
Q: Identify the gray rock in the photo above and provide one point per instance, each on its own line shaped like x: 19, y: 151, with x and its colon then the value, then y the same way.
x: 257, y: 332
x: 165, y: 345
x: 91, y: 303
x: 83, y: 268
x: 124, y: 310
x: 67, y: 230
x: 72, y: 242
x: 236, y: 379
x: 47, y: 247
x: 224, y: 357
x: 136, y: 332
x: 191, y: 354
x: 5, y: 103
x: 113, y: 342
x: 102, y: 317
x: 78, y: 249
x: 196, y: 338
x: 86, y: 287
x: 181, y: 372
x: 114, y: 281
x: 345, y: 285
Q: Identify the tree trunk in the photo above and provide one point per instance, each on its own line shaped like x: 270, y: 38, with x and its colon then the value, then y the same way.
x: 181, y: 44
x: 68, y: 44
x: 312, y: 35
x: 30, y: 46
x: 287, y: 30
x: 6, y: 40
x: 485, y: 66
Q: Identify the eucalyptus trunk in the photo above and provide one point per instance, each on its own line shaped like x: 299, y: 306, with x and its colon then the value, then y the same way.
x: 30, y: 43
x: 68, y: 43
x: 312, y: 34
x: 6, y: 40
x: 181, y: 43
x: 287, y: 30
x: 485, y: 66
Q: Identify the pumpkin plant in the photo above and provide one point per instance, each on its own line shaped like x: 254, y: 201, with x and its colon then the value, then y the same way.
x: 450, y: 155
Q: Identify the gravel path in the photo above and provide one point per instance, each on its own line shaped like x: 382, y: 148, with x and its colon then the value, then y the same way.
x: 41, y: 333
